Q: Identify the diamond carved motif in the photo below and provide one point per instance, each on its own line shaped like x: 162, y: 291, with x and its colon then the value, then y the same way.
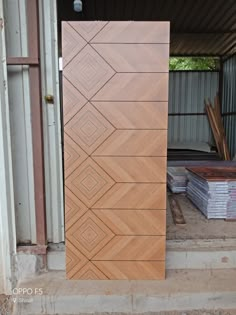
x: 72, y: 43
x: 89, y: 182
x: 90, y: 272
x: 89, y: 128
x: 74, y: 208
x: 75, y: 260
x: 73, y: 155
x: 92, y: 72
x: 89, y: 234
x: 73, y: 100
x: 88, y: 29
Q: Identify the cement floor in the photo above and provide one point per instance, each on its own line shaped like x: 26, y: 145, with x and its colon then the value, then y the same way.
x: 183, y: 291
x: 197, y: 226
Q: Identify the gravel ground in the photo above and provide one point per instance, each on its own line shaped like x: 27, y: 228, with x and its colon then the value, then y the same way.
x: 5, y: 305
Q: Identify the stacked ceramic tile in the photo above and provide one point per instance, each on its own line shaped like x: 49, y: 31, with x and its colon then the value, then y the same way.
x: 177, y: 179
x: 231, y: 208
x: 213, y: 191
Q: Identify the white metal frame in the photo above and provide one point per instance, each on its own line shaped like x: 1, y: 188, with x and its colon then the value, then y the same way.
x: 7, y: 212
x: 52, y: 121
x: 20, y: 118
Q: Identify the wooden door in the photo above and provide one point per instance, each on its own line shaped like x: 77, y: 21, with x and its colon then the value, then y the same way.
x: 115, y: 87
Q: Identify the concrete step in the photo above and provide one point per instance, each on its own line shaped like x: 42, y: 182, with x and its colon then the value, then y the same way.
x: 183, y: 291
x: 180, y: 254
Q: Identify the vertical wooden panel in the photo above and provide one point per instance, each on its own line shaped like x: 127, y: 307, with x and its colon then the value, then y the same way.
x: 115, y: 149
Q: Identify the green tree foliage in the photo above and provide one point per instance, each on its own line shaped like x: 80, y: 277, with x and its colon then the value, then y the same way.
x: 194, y: 63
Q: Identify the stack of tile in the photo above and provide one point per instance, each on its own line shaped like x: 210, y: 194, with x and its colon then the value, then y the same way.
x: 213, y: 191
x: 177, y: 179
x: 231, y: 209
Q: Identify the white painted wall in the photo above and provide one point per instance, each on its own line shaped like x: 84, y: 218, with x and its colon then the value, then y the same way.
x: 7, y: 213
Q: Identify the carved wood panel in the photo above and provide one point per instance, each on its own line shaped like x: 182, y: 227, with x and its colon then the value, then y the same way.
x: 115, y: 99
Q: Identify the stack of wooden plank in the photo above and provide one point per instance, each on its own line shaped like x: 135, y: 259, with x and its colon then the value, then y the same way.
x: 213, y: 191
x: 216, y: 123
x: 177, y: 179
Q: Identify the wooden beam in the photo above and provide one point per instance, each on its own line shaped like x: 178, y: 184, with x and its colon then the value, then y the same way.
x: 176, y: 210
x: 37, y: 122
x: 21, y: 61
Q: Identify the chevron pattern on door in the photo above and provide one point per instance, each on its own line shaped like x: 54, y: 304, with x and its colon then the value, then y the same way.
x: 115, y: 99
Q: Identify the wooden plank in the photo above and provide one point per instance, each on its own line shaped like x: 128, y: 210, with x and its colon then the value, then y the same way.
x: 73, y: 100
x: 135, y: 57
x: 89, y: 182
x: 225, y: 148
x: 75, y: 260
x: 134, y: 87
x: 74, y: 208
x: 131, y: 32
x: 72, y: 43
x: 88, y: 128
x: 92, y: 72
x: 115, y: 116
x: 134, y: 143
x: 89, y: 272
x: 135, y: 115
x: 134, y: 196
x: 88, y: 29
x: 213, y: 128
x: 133, y: 222
x: 176, y: 211
x: 215, y: 173
x: 22, y: 61
x: 73, y: 155
x: 134, y: 169
x: 89, y: 235
x: 132, y: 270
x: 133, y: 248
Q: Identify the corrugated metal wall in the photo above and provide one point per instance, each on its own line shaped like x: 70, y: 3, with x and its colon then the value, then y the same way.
x: 229, y: 102
x: 187, y: 91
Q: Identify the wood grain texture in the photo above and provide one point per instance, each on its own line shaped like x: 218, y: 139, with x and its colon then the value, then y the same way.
x: 88, y: 29
x: 132, y: 270
x: 73, y: 155
x: 135, y: 115
x: 134, y: 169
x: 135, y: 57
x: 75, y: 260
x: 89, y: 272
x: 89, y: 234
x: 134, y: 87
x: 73, y: 100
x: 115, y: 94
x: 72, y: 43
x: 74, y: 208
x: 88, y: 128
x: 133, y: 32
x: 134, y: 196
x: 133, y: 248
x: 92, y: 72
x: 89, y: 182
x: 134, y: 222
x: 134, y: 143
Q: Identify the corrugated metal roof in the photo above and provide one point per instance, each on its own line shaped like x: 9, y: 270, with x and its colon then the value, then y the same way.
x: 198, y: 27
